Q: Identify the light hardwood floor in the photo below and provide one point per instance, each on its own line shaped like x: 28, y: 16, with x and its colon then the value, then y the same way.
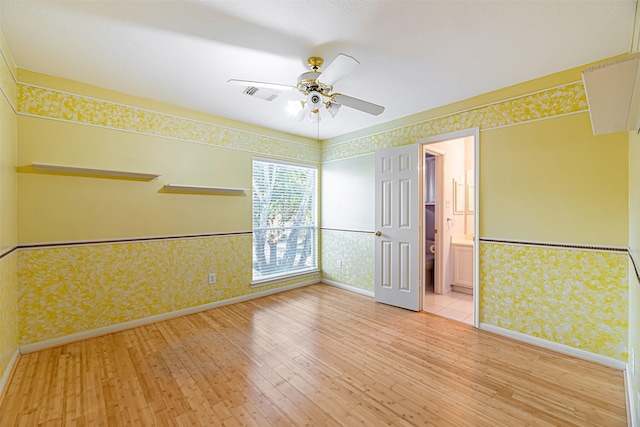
x: 312, y: 356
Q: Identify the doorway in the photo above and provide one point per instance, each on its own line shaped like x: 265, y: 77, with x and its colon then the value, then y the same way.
x: 449, y: 225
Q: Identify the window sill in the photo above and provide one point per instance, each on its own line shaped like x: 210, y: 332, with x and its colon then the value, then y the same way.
x: 274, y: 279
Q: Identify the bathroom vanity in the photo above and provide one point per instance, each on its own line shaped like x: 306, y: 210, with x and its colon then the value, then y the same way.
x: 462, y: 264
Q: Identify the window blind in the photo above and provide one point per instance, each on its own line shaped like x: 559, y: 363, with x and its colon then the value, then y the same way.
x: 284, y: 219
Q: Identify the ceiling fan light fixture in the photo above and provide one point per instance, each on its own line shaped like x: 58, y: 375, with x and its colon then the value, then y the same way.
x: 332, y: 108
x: 294, y: 107
x: 303, y: 112
x: 317, y: 88
x: 314, y: 116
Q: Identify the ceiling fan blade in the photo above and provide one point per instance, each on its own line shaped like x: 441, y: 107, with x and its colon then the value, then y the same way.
x: 272, y: 86
x: 358, y: 104
x: 340, y: 66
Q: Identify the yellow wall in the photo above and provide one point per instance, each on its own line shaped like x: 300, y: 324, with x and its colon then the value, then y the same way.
x: 55, y: 208
x: 9, y: 339
x: 544, y: 178
x: 69, y: 289
x: 553, y: 181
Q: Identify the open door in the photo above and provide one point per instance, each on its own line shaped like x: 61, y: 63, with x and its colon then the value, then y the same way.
x: 396, y: 218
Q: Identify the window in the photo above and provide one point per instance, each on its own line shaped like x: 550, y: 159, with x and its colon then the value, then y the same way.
x: 284, y: 219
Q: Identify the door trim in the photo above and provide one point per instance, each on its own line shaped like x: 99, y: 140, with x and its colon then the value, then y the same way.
x: 475, y: 132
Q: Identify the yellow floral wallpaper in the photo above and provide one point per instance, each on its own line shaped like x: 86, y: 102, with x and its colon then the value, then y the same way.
x: 67, y: 290
x: 574, y: 297
x: 7, y: 82
x: 565, y: 99
x: 356, y: 251
x: 8, y: 309
x: 43, y: 102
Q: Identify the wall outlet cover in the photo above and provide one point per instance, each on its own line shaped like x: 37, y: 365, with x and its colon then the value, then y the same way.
x: 212, y: 278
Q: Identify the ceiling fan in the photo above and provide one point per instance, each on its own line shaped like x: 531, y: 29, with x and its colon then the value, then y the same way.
x: 317, y: 88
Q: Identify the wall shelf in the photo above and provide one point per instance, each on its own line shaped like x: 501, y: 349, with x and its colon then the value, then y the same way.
x: 202, y: 189
x: 79, y: 170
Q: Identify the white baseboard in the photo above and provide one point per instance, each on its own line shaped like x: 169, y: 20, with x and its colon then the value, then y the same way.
x: 561, y: 348
x: 4, y: 381
x: 349, y: 288
x: 29, y: 348
x: 632, y: 408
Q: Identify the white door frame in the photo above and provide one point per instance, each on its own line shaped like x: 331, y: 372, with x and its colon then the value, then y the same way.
x: 475, y: 132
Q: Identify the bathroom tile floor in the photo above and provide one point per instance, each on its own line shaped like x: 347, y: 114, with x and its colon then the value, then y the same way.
x: 454, y: 305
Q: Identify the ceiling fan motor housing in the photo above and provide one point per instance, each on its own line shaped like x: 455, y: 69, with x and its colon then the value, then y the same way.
x: 314, y: 100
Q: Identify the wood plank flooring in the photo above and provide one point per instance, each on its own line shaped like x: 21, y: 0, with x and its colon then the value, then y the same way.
x: 314, y: 356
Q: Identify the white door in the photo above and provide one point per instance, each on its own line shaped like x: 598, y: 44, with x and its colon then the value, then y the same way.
x: 396, y: 219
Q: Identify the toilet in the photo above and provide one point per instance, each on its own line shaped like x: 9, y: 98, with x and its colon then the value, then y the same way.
x: 428, y: 262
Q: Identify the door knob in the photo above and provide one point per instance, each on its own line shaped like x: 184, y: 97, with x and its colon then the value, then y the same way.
x: 378, y: 233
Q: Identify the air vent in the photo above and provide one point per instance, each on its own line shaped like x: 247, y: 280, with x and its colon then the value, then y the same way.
x: 265, y: 94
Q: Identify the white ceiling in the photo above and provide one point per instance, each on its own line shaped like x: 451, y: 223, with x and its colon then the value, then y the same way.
x: 414, y: 55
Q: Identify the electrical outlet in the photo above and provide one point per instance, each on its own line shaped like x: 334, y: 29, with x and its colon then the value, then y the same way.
x: 339, y: 264
x: 212, y: 278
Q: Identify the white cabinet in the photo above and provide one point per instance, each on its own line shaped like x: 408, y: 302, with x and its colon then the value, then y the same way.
x: 462, y: 266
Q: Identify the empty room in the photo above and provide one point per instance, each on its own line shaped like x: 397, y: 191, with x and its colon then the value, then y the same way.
x: 280, y: 212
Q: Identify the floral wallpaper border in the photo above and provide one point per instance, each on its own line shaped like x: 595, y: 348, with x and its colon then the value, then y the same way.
x: 7, y: 81
x: 43, y: 102
x: 566, y: 99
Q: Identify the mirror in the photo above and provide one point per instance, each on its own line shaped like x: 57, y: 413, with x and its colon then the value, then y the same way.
x: 458, y: 197
x: 471, y: 191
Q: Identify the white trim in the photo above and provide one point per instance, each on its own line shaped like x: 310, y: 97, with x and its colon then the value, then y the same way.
x: 11, y: 64
x: 349, y: 288
x: 288, y: 276
x: 293, y: 163
x: 348, y: 157
x: 6, y: 376
x: 29, y: 348
x: 628, y: 390
x: 560, y: 348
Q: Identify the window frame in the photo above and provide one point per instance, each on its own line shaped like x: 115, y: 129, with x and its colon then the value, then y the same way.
x: 315, y: 229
